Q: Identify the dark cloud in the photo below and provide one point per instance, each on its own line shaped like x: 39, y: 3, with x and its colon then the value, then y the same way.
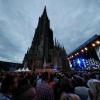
x: 72, y: 21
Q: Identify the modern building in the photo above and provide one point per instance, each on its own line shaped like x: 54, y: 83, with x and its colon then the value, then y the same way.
x: 86, y: 56
x: 44, y: 52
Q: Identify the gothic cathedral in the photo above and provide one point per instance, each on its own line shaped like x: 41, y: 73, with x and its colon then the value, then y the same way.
x: 44, y: 51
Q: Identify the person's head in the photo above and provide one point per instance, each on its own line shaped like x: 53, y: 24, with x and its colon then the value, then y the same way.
x: 92, y: 76
x: 26, y: 92
x: 51, y: 81
x: 32, y: 81
x: 65, y: 85
x: 9, y: 84
x: 81, y: 82
x: 23, y: 81
x: 45, y: 76
x: 94, y: 86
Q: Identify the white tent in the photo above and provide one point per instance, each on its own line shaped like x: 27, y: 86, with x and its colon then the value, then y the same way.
x: 18, y: 70
x: 23, y: 69
x: 27, y: 70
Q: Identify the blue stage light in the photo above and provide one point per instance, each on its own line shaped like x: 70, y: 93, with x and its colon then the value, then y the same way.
x: 83, y: 60
x: 78, y: 61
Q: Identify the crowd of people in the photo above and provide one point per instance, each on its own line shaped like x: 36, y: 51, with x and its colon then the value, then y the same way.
x: 50, y: 86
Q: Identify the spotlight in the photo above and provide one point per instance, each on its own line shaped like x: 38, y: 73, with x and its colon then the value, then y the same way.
x: 93, y: 45
x: 82, y: 50
x: 86, y: 48
x: 97, y: 42
x: 72, y: 56
x: 77, y: 53
x: 78, y: 61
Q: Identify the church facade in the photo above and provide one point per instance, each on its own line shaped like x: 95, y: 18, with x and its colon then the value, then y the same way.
x: 44, y: 51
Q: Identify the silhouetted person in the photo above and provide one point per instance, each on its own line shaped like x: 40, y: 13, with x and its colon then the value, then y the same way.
x: 66, y: 93
x: 44, y: 90
x: 25, y: 92
x: 8, y: 86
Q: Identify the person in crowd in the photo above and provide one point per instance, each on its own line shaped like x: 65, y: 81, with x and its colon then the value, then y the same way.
x: 39, y: 79
x: 66, y: 93
x: 32, y: 81
x: 51, y: 81
x: 44, y: 90
x: 25, y: 89
x: 8, y: 86
x: 25, y: 92
x: 57, y: 88
x: 94, y: 86
x: 81, y: 89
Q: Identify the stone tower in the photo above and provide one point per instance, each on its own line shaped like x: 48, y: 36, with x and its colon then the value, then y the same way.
x: 43, y: 50
x: 42, y: 44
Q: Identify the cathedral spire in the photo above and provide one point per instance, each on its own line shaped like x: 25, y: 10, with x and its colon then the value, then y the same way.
x: 44, y: 12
